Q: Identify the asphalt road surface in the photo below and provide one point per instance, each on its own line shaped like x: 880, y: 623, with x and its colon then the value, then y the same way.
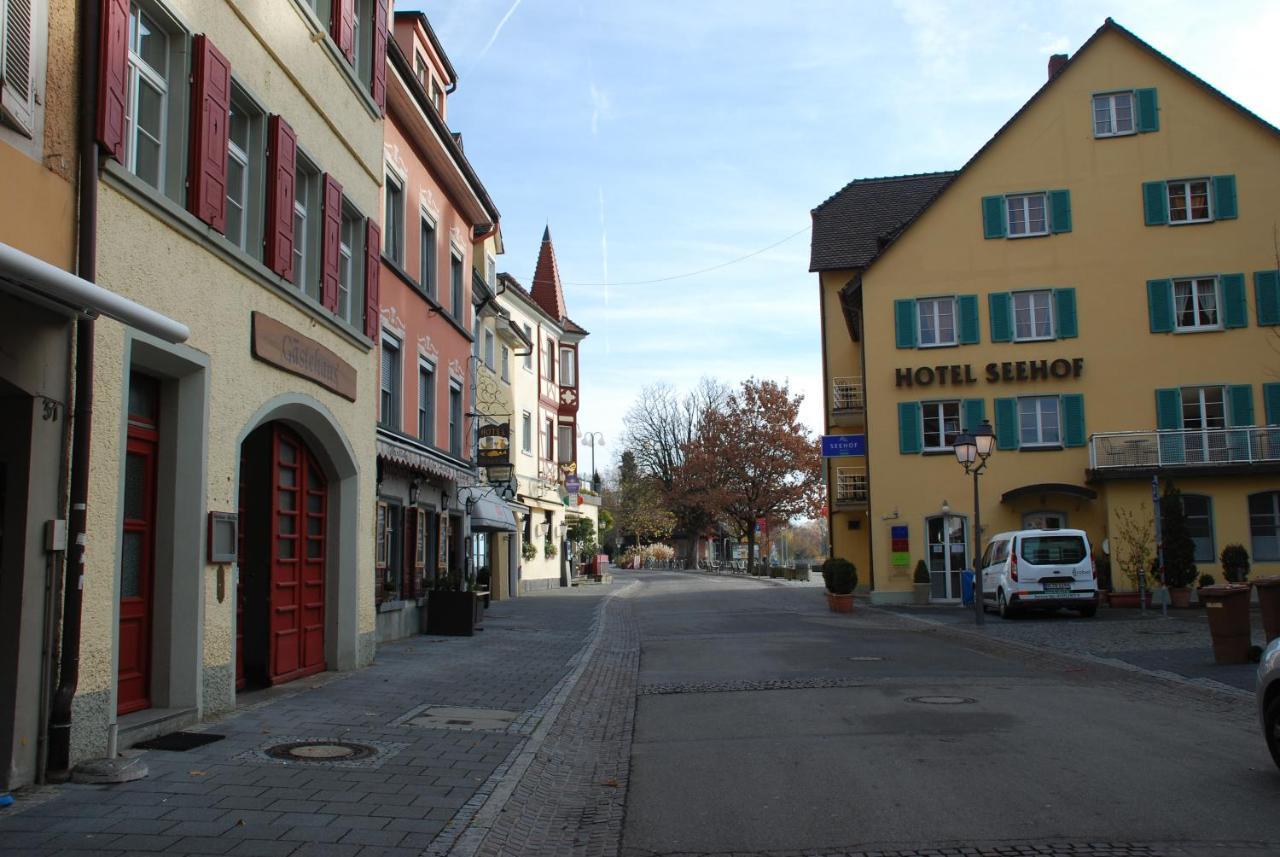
x: 766, y: 724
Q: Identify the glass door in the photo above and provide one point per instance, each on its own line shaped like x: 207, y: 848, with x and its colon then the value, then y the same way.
x: 948, y: 546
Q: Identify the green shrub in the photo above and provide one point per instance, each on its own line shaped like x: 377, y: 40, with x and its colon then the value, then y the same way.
x: 1235, y: 563
x: 922, y: 572
x: 840, y: 575
x: 1206, y: 580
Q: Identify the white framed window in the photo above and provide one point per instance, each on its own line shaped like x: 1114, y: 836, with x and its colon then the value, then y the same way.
x: 941, y: 423
x: 389, y: 383
x: 351, y: 266
x: 549, y: 439
x: 1113, y: 114
x: 1195, y: 305
x: 565, y: 445
x: 147, y: 102
x: 936, y: 320
x: 1203, y: 408
x: 1264, y: 526
x: 306, y: 228
x: 504, y: 358
x: 1038, y: 421
x: 491, y: 271
x: 393, y: 221
x: 1199, y: 511
x: 427, y: 254
x: 488, y: 348
x: 455, y: 285
x: 526, y: 433
x: 528, y: 357
x: 420, y: 69
x: 567, y: 375
x: 245, y: 146
x: 1032, y: 315
x: 1027, y: 214
x: 455, y: 419
x: 22, y: 24
x: 437, y: 96
x: 1189, y: 201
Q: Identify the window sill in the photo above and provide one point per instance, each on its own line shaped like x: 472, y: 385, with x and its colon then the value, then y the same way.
x: 1049, y: 447
x: 358, y: 86
x: 947, y: 451
x: 1029, y: 235
x: 1115, y: 134
x: 938, y: 345
x: 1016, y: 341
x: 1191, y: 222
x: 184, y: 221
x: 436, y: 306
x: 1186, y: 330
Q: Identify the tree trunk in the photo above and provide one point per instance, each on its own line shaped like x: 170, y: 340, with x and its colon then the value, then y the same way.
x: 751, y: 549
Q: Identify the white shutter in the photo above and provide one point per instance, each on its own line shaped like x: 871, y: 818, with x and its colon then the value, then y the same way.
x: 16, y: 30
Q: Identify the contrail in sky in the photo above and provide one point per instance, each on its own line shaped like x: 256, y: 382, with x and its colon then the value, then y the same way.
x: 498, y: 29
x: 604, y: 256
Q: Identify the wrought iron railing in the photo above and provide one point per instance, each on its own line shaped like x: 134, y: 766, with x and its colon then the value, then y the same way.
x: 851, y: 485
x: 1184, y: 447
x: 847, y: 394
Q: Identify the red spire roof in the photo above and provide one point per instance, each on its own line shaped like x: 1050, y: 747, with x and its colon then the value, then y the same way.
x: 547, y: 292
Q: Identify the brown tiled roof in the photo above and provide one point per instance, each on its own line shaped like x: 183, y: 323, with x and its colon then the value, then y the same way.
x: 572, y: 326
x: 855, y: 223
x: 546, y: 290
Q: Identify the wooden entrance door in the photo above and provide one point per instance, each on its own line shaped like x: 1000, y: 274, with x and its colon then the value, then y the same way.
x: 137, y: 548
x: 296, y: 592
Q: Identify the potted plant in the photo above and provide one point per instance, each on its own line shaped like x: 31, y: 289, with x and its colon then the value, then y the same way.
x: 453, y: 608
x: 1179, y: 550
x: 841, y: 578
x: 549, y: 549
x: 1134, y: 548
x: 529, y: 550
x: 1228, y: 608
x: 920, y: 584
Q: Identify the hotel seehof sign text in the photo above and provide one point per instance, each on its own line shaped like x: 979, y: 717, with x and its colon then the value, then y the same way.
x: 961, y: 374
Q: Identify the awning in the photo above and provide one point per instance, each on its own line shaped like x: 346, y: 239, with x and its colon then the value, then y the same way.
x: 422, y: 461
x: 489, y: 513
x: 1049, y: 488
x: 32, y: 278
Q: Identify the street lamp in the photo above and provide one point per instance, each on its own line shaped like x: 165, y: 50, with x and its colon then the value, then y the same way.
x: 972, y: 451
x: 592, y: 438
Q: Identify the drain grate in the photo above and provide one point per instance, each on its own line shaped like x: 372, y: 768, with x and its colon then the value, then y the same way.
x: 323, y: 752
x: 942, y: 700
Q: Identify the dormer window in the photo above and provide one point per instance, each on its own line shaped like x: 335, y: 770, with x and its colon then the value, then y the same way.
x: 437, y: 96
x: 420, y: 70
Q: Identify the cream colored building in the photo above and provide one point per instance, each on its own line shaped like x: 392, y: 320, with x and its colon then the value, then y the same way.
x: 232, y: 505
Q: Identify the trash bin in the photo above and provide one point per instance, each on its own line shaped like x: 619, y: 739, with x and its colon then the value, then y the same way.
x: 1269, y: 599
x: 1228, y: 609
x: 966, y: 586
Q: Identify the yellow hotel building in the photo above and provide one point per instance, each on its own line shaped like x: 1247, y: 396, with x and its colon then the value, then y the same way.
x: 1100, y: 282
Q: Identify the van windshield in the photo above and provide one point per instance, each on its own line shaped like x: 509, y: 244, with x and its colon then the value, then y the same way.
x: 1050, y: 550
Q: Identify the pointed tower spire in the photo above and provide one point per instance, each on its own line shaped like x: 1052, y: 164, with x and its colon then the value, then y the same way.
x: 547, y: 291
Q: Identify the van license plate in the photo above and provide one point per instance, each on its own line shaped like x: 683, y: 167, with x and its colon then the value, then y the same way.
x: 1057, y: 587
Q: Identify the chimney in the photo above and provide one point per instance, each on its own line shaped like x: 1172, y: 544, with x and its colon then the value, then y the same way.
x: 1056, y: 62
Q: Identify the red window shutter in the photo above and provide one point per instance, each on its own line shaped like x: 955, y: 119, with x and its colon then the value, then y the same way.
x: 372, y: 267
x: 210, y: 114
x: 378, y: 88
x: 331, y: 235
x: 282, y: 164
x: 111, y: 76
x: 343, y: 27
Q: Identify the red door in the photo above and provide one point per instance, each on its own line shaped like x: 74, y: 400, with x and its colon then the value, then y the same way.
x: 137, y: 549
x: 296, y: 642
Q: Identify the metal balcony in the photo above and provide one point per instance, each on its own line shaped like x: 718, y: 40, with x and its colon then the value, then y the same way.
x: 848, y: 405
x: 1199, y: 449
x: 852, y: 491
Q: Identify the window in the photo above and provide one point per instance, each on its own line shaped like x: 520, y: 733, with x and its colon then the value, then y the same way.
x: 426, y: 403
x: 19, y: 25
x: 393, y: 222
x: 936, y: 318
x: 1032, y: 315
x: 437, y: 97
x: 1264, y: 526
x: 1199, y: 512
x: 306, y: 229
x: 566, y: 367
x: 389, y: 401
x: 1195, y: 304
x: 455, y: 285
x: 1203, y: 408
x: 488, y: 349
x: 566, y: 446
x: 1038, y: 423
x: 147, y: 102
x: 427, y: 256
x: 351, y: 266
x: 392, y: 515
x: 941, y: 422
x: 382, y: 550
x: 549, y: 432
x: 1189, y: 201
x: 528, y: 357
x: 420, y: 70
x: 526, y: 433
x: 455, y: 419
x: 244, y: 173
x: 1027, y: 215
x: 362, y: 41
x: 475, y: 337
x: 504, y: 359
x: 1113, y: 114
x: 549, y: 359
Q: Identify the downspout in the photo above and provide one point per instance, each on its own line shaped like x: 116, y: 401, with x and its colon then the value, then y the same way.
x: 59, y: 740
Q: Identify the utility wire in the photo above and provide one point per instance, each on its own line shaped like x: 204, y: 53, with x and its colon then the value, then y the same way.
x: 699, y: 271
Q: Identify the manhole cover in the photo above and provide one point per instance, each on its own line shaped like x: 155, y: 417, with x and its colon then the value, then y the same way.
x: 942, y: 700
x: 320, y: 751
x: 865, y: 658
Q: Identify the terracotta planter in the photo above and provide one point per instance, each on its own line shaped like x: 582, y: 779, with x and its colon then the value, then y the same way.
x: 1128, y: 599
x: 840, y: 603
x: 1180, y: 597
x: 1228, y: 608
x: 1269, y: 598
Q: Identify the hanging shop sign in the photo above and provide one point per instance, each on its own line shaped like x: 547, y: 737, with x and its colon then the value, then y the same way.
x: 837, y: 445
x: 495, y: 445
x: 285, y: 348
x: 961, y: 374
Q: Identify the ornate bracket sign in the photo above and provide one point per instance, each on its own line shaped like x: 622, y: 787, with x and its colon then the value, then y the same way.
x: 495, y: 445
x: 285, y: 348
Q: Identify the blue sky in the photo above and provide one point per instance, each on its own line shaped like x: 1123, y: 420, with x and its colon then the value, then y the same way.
x: 660, y: 138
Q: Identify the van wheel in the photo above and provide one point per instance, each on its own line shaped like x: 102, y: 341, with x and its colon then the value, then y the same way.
x: 1006, y: 612
x: 1271, y: 727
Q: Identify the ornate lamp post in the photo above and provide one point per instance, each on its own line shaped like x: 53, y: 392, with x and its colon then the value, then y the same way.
x: 972, y: 451
x: 592, y: 439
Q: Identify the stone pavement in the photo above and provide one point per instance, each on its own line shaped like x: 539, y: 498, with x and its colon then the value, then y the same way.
x: 427, y: 782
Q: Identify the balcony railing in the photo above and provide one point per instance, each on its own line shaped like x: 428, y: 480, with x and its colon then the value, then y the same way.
x: 851, y: 485
x: 1184, y: 448
x: 847, y: 394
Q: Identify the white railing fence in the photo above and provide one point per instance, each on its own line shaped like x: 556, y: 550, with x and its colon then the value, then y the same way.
x: 851, y: 485
x: 1184, y: 447
x: 847, y: 394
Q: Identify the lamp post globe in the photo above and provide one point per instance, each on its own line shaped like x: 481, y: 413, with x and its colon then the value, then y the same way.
x: 966, y: 449
x: 972, y: 451
x: 985, y: 439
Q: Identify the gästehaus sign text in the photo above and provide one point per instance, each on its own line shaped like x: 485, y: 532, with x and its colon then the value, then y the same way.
x: 961, y: 374
x: 282, y: 346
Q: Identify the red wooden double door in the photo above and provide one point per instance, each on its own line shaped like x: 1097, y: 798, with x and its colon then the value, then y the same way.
x: 280, y: 615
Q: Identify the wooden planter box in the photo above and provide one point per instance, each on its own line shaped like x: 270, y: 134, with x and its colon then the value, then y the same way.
x: 454, y: 614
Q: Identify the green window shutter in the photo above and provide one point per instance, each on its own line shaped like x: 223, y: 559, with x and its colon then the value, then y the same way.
x: 1224, y: 197
x: 1000, y: 307
x: 1006, y: 423
x: 1155, y: 203
x: 1271, y: 403
x: 1235, y: 311
x: 1072, y: 407
x: 994, y: 220
x: 1160, y: 305
x: 910, y: 432
x: 975, y: 411
x: 1064, y: 313
x: 967, y: 310
x: 904, y: 321
x: 1240, y: 405
x: 1266, y: 293
x: 1148, y: 110
x: 1059, y: 211
x: 1169, y: 409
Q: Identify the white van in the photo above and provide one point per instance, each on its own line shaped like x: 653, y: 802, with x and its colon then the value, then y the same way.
x: 1039, y: 569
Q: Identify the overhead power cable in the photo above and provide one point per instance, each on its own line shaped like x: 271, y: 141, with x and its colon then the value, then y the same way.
x: 700, y: 270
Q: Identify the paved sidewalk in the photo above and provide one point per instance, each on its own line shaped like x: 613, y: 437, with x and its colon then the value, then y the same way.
x: 421, y: 787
